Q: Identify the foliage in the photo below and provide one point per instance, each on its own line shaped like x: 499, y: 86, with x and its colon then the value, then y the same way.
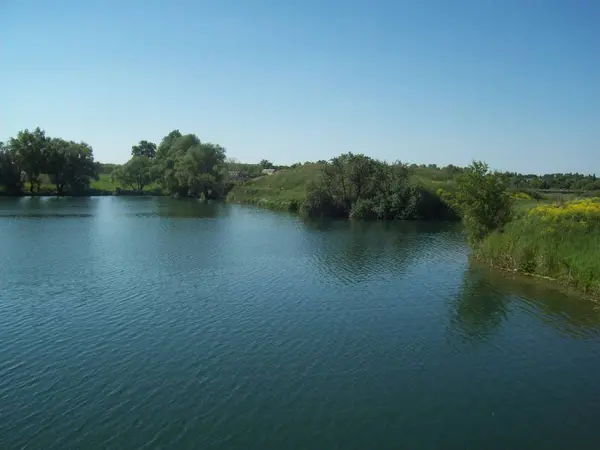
x: 136, y: 173
x: 520, y: 196
x: 187, y: 166
x: 320, y: 203
x: 167, y: 142
x: 483, y: 200
x: 582, y: 210
x: 144, y: 148
x: 70, y: 165
x: 32, y: 157
x: 30, y: 149
x: 556, y: 241
x: 266, y: 164
x: 360, y: 187
x: 10, y: 172
x: 201, y: 170
x: 553, y: 181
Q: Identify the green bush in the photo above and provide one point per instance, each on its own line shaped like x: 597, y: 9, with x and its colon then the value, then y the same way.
x: 319, y: 203
x: 360, y: 187
x: 484, y: 201
x: 363, y: 210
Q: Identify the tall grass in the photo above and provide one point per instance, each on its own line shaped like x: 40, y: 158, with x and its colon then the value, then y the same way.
x: 560, y: 241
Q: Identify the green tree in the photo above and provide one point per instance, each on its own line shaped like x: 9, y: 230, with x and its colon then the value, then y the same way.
x: 144, y: 148
x: 10, y: 172
x: 266, y: 164
x: 167, y: 162
x: 201, y: 169
x: 137, y: 173
x: 359, y: 187
x: 167, y: 142
x: 484, y: 200
x: 70, y: 165
x: 30, y: 148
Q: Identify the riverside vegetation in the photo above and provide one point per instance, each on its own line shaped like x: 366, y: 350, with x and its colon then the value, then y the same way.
x: 510, y: 224
x: 558, y: 240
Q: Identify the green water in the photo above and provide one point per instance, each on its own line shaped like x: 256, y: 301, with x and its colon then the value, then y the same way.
x: 132, y: 323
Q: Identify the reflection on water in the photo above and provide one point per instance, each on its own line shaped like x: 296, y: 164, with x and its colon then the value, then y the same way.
x: 46, y: 207
x: 488, y: 299
x: 354, y: 251
x: 191, y: 208
x: 479, y: 310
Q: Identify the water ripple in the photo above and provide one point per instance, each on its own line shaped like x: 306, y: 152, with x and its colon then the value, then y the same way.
x: 242, y: 328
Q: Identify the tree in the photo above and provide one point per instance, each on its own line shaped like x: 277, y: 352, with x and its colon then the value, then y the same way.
x: 137, y: 173
x: 10, y: 172
x: 188, y: 166
x: 144, y: 148
x: 168, y: 160
x: 30, y: 150
x: 484, y: 201
x: 202, y: 169
x: 166, y: 143
x: 266, y: 164
x: 70, y: 165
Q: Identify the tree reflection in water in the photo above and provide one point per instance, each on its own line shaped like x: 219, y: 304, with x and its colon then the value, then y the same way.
x: 488, y: 298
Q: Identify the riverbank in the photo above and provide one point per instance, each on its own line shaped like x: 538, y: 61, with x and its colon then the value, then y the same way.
x: 284, y: 190
x: 350, y: 186
x: 559, y: 242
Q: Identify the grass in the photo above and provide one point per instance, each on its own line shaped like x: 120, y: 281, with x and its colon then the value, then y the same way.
x: 558, y: 240
x: 105, y: 184
x: 284, y: 190
x: 102, y: 186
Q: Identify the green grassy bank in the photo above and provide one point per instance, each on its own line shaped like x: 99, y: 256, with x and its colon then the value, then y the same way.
x: 560, y: 241
x: 283, y: 190
x: 103, y: 186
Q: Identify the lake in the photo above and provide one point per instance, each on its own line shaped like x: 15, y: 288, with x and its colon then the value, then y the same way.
x: 132, y: 323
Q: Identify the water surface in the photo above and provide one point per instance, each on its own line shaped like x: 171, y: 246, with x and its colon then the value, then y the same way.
x: 132, y: 323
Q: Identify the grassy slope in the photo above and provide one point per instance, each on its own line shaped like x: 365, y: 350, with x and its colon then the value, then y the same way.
x: 282, y: 190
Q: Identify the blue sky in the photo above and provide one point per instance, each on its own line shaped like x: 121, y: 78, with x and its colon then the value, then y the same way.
x: 512, y: 82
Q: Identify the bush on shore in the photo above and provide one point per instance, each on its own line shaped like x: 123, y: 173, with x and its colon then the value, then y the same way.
x: 483, y: 200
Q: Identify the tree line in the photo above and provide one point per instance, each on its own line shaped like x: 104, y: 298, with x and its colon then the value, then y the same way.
x: 183, y: 165
x: 24, y: 159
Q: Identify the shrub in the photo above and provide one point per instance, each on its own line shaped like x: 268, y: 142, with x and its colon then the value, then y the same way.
x: 364, y: 210
x: 320, y: 203
x: 483, y: 200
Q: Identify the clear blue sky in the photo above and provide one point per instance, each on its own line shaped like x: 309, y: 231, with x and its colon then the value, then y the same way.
x: 512, y: 82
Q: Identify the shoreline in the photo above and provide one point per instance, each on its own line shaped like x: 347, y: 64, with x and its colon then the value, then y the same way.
x: 550, y: 282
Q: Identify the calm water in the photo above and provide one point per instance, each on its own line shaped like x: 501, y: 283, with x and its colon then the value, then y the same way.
x: 132, y: 323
